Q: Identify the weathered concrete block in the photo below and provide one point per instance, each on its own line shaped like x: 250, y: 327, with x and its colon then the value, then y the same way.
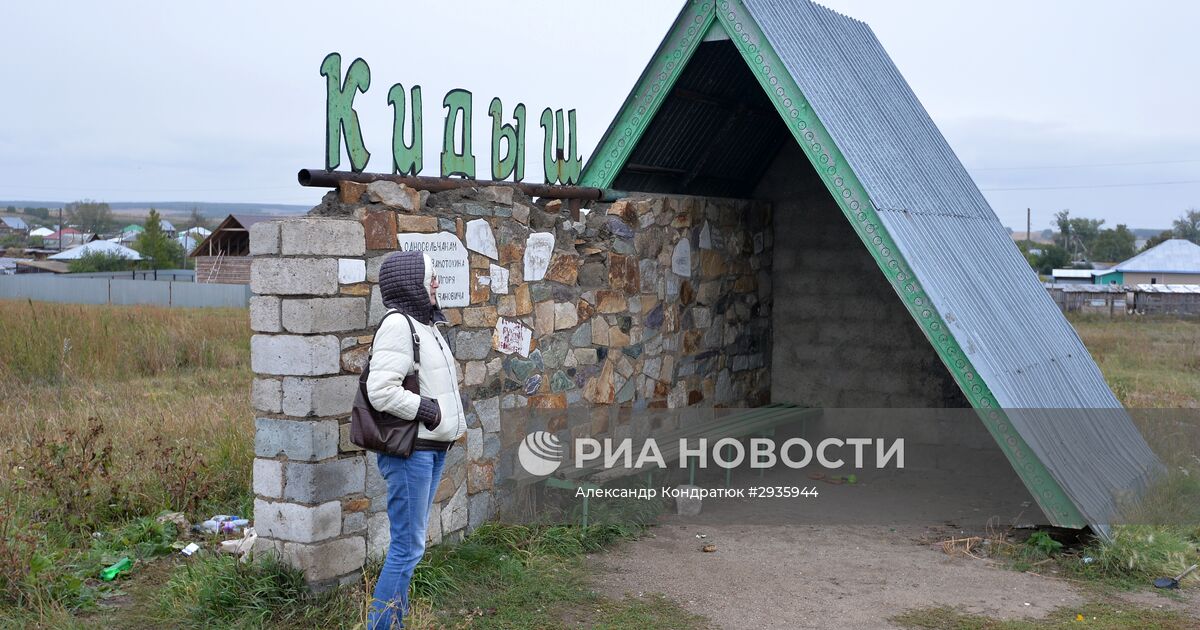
x: 321, y: 237
x: 332, y: 396
x: 354, y: 523
x: 329, y: 560
x: 294, y: 355
x: 454, y: 513
x: 324, y: 315
x: 379, y: 534
x: 489, y: 411
x: 324, y: 481
x: 268, y: 478
x: 344, y: 443
x: 264, y: 238
x: 264, y: 313
x: 480, y: 509
x: 376, y: 485
x: 294, y: 276
x: 433, y: 529
x: 377, y: 309
x: 297, y: 523
x: 266, y: 394
x: 374, y: 263
x: 298, y: 440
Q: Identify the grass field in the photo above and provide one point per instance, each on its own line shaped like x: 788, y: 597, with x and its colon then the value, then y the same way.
x: 115, y: 414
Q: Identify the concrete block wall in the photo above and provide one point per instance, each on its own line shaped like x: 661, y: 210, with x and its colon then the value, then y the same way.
x: 655, y: 302
x: 843, y: 337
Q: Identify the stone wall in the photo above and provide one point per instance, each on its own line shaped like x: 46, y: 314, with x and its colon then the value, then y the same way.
x: 843, y: 337
x: 658, y: 302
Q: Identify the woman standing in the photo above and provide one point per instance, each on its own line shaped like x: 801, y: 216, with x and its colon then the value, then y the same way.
x: 408, y: 287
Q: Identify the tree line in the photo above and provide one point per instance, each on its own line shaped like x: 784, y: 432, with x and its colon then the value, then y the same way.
x: 96, y: 217
x: 1081, y: 241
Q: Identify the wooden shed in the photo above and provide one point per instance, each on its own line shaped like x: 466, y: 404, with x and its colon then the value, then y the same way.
x: 224, y: 256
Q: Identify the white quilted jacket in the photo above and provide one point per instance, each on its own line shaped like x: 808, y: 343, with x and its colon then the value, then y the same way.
x: 392, y: 360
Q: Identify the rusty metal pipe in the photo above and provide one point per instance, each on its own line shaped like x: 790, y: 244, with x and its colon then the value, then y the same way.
x: 321, y: 178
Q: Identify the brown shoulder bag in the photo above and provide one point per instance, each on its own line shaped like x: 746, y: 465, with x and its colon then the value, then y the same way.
x: 377, y: 430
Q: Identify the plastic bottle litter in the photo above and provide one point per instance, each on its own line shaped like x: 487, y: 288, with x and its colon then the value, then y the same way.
x: 222, y: 524
x: 123, y: 565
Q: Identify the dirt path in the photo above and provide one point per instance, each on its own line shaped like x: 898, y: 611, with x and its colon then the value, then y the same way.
x: 852, y: 558
x: 817, y: 576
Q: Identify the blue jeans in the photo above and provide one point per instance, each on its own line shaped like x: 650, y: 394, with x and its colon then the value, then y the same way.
x: 411, y: 482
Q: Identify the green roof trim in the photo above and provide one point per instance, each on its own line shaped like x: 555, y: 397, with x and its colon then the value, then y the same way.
x: 851, y: 197
x: 648, y: 94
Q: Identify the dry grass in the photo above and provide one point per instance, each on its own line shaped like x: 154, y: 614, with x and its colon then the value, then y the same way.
x: 1150, y: 362
x: 45, y: 343
x: 148, y: 409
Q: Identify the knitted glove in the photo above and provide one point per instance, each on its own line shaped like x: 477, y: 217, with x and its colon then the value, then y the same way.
x: 429, y: 413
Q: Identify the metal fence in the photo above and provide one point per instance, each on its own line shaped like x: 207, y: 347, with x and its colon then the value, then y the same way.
x: 168, y: 275
x: 48, y: 288
x: 1114, y: 300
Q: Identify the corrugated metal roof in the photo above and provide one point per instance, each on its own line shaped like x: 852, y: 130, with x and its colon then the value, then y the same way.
x: 1174, y: 255
x: 1168, y: 288
x: 1014, y: 335
x: 1073, y: 273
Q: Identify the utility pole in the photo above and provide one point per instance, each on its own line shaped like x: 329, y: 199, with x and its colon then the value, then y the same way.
x: 60, y: 229
x: 1028, y: 234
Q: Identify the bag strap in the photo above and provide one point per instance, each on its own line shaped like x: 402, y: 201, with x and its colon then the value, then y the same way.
x: 416, y: 339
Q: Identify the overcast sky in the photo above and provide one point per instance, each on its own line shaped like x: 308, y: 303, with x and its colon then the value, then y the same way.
x: 1087, y: 105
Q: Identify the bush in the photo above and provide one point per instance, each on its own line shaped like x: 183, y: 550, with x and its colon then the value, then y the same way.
x: 93, y: 262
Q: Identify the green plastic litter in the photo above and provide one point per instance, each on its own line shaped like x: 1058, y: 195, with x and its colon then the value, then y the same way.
x: 122, y: 566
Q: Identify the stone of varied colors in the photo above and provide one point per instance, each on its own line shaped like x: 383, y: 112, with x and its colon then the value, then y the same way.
x: 565, y: 315
x: 533, y: 384
x: 610, y: 301
x: 623, y: 273
x: 394, y: 195
x: 480, y: 291
x: 543, y: 318
x: 563, y: 268
x: 380, y: 229
x: 524, y: 302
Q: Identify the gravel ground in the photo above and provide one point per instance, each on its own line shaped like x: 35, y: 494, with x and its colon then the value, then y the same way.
x: 851, y: 558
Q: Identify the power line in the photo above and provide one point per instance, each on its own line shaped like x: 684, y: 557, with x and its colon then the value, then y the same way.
x: 1065, y: 166
x: 1129, y: 185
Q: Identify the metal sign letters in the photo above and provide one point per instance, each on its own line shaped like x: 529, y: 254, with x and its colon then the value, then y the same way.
x: 560, y: 157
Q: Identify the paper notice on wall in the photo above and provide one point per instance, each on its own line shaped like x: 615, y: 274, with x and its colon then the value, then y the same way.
x: 449, y: 263
x: 499, y: 279
x: 511, y: 336
x: 681, y: 259
x: 480, y: 238
x: 538, y: 249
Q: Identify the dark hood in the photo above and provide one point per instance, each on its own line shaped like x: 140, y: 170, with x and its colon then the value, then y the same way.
x: 402, y: 285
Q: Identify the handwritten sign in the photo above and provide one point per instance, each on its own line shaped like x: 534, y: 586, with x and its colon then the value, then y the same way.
x: 538, y: 249
x: 498, y: 279
x: 681, y: 259
x: 511, y: 336
x: 480, y: 238
x: 449, y: 263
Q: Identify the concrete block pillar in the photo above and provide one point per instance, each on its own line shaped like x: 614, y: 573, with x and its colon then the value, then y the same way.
x: 309, y: 311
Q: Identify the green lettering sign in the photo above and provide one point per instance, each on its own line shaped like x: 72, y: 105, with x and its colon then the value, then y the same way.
x: 457, y: 162
x: 340, y: 117
x: 514, y: 135
x: 407, y: 159
x: 560, y: 169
